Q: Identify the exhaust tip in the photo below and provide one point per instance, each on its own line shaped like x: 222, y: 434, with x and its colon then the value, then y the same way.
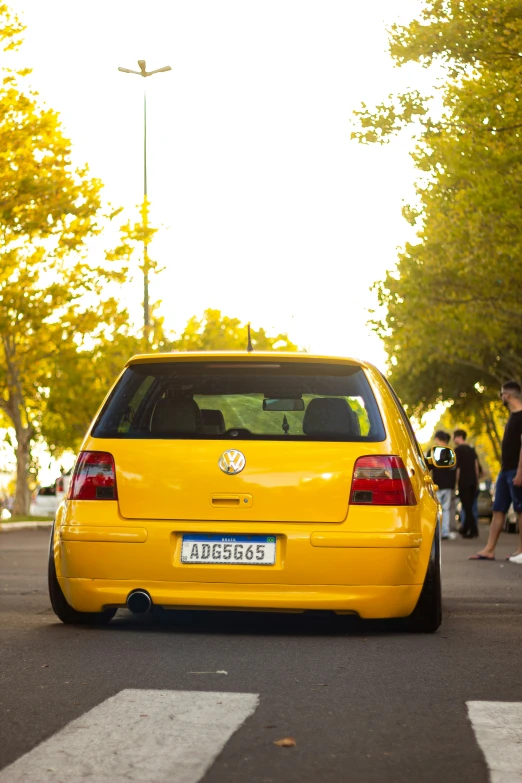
x: 139, y: 602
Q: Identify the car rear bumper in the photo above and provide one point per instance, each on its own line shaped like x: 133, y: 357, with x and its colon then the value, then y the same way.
x: 376, y: 573
x: 367, y: 601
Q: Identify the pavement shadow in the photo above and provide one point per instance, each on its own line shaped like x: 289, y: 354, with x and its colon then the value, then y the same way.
x: 238, y: 623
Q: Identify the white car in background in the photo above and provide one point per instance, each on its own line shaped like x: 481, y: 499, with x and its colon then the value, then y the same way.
x: 62, y: 486
x: 44, y: 502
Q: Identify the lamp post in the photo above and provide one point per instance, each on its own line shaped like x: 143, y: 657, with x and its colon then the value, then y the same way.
x: 144, y: 73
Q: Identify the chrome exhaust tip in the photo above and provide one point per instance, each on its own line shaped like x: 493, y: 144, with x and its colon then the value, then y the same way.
x: 139, y: 602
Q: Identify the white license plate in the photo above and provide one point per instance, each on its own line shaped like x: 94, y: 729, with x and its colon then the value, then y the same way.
x: 228, y: 550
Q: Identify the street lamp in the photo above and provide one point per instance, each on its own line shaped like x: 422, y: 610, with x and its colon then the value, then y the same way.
x: 143, y: 72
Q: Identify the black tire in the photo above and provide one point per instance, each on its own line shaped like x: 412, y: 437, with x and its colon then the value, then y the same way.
x: 427, y: 615
x: 62, y: 609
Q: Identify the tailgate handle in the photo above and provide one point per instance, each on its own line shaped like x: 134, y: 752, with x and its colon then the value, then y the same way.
x: 231, y: 501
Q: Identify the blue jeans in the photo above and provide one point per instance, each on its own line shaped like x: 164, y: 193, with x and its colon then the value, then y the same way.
x: 506, y: 493
x: 444, y: 496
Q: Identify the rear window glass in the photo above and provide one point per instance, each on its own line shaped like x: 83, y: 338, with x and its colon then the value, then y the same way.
x: 242, y: 402
x: 46, y: 491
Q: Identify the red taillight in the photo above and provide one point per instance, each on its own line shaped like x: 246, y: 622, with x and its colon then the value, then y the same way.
x: 381, y: 481
x: 94, y: 477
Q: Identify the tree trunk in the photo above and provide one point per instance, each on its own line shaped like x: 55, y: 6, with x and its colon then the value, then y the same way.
x: 22, y: 499
x: 15, y: 408
x: 492, y: 432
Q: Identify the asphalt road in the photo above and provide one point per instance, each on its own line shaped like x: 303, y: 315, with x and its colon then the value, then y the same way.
x: 363, y: 701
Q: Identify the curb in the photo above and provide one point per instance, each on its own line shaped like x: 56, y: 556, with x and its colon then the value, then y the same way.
x: 6, y: 527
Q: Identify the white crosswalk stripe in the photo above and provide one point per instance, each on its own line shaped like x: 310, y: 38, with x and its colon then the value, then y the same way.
x: 138, y: 735
x: 498, y: 728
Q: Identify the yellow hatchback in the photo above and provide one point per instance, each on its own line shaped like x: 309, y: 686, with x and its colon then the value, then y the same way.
x: 265, y: 481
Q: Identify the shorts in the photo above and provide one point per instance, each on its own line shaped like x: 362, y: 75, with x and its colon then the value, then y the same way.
x: 506, y: 493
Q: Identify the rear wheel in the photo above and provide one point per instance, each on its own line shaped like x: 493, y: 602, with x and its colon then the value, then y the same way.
x: 62, y: 609
x: 427, y: 615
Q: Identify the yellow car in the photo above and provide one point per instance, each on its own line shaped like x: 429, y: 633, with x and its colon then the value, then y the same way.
x: 255, y: 481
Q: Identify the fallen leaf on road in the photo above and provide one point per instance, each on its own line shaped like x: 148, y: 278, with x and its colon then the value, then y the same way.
x: 45, y: 666
x: 286, y: 742
x: 144, y: 716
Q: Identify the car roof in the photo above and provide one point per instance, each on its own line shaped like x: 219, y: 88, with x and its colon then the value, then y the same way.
x: 242, y: 356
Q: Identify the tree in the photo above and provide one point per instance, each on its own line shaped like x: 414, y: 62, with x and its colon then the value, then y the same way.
x: 64, y: 337
x: 49, y: 292
x: 136, y: 237
x: 452, y: 311
x: 94, y: 370
x: 217, y: 332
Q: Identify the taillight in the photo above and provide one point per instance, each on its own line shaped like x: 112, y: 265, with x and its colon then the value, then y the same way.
x: 94, y: 477
x: 381, y: 481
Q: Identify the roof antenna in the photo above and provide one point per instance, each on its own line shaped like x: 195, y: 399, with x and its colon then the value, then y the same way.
x: 250, y: 347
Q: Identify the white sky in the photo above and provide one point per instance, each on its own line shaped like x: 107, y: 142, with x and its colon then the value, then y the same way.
x: 268, y: 211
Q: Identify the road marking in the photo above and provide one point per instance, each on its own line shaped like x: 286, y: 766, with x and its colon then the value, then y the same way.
x: 138, y: 735
x: 498, y: 728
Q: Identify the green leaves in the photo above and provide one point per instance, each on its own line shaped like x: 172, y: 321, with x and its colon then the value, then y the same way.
x: 217, y: 332
x: 387, y: 119
x: 11, y: 29
x: 452, y: 307
x: 133, y: 236
x: 52, y: 298
x: 64, y: 336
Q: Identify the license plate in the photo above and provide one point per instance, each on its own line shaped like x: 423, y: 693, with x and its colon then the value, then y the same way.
x: 228, y: 550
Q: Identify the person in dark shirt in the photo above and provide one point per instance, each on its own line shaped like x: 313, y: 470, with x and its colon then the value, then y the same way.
x: 508, y: 488
x: 479, y: 471
x: 467, y: 482
x: 444, y: 478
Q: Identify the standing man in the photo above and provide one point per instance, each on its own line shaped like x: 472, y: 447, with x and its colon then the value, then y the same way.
x: 475, y: 502
x: 467, y: 482
x: 444, y: 478
x: 508, y: 488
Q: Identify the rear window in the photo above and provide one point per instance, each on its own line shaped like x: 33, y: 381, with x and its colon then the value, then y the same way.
x: 206, y: 401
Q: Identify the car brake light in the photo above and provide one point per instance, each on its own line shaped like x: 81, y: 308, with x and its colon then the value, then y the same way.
x: 381, y: 481
x: 94, y: 477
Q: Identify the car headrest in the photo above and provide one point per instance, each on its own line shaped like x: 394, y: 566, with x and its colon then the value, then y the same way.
x: 213, y: 422
x: 174, y: 416
x: 177, y: 396
x: 330, y: 416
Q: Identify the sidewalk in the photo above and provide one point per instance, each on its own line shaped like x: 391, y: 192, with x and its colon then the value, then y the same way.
x: 20, y: 524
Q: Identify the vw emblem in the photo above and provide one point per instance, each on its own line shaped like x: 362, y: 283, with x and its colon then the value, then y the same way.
x: 232, y: 462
